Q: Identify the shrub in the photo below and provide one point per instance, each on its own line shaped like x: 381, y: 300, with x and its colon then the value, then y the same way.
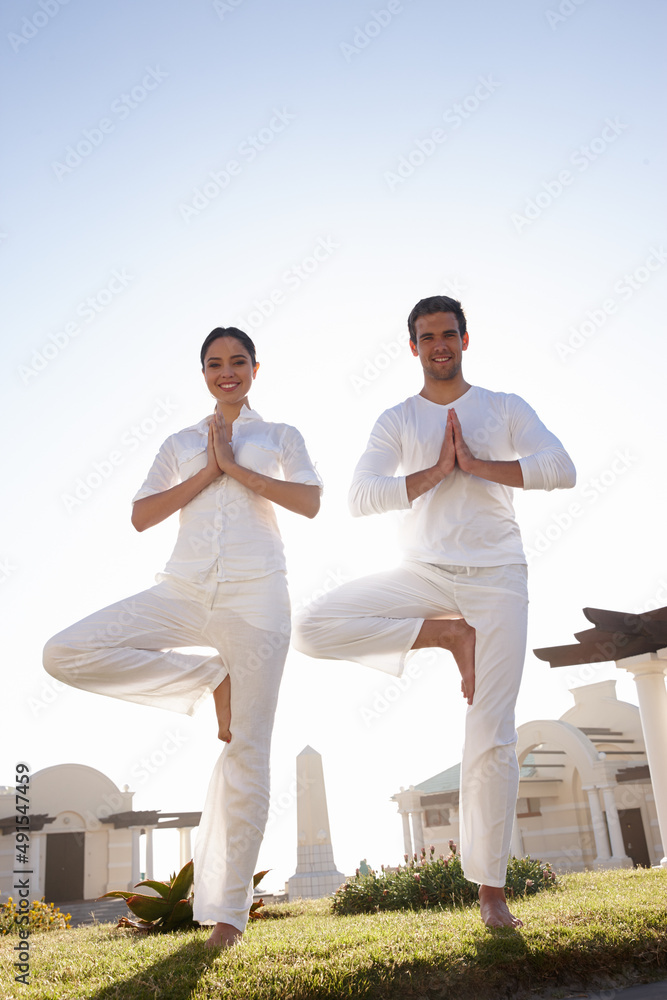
x: 423, y: 882
x: 41, y: 917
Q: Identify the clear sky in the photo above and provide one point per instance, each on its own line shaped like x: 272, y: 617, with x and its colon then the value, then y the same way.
x: 308, y: 171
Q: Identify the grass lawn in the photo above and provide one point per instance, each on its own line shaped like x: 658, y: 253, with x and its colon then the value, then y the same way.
x: 598, y: 929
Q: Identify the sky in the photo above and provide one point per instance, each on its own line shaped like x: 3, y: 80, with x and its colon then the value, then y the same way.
x: 308, y: 171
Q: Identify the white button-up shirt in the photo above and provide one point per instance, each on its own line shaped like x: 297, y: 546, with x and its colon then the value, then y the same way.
x: 464, y: 520
x: 227, y: 526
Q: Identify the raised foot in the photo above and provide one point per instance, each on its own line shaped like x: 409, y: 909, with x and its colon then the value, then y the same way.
x: 223, y: 936
x: 223, y: 709
x: 494, y: 910
x: 461, y: 643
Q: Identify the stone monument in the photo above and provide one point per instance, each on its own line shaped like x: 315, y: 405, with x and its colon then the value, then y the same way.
x: 316, y: 874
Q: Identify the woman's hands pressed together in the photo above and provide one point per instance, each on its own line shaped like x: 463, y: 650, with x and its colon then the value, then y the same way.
x: 219, y: 438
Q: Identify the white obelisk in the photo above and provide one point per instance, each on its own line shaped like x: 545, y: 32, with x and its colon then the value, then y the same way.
x: 316, y: 874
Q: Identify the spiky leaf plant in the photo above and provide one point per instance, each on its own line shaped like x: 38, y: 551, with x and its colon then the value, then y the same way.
x: 170, y: 909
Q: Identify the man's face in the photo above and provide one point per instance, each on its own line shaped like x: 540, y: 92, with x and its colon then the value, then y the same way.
x: 440, y: 345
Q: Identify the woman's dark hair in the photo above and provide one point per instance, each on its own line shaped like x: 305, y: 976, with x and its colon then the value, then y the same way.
x: 228, y: 331
x: 436, y: 304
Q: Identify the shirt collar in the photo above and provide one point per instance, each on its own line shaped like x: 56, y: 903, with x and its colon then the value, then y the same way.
x: 247, y: 413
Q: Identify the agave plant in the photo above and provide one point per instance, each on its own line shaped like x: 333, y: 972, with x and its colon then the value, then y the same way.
x: 172, y: 907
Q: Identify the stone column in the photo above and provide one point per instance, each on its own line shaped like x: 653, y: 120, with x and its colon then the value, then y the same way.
x: 417, y: 831
x: 599, y: 827
x: 619, y: 858
x: 37, y: 856
x: 185, y: 845
x: 149, y: 851
x: 649, y: 672
x: 407, y: 839
x: 516, y: 847
x: 136, y: 860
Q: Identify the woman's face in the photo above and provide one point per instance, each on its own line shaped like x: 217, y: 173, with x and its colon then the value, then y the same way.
x: 228, y: 370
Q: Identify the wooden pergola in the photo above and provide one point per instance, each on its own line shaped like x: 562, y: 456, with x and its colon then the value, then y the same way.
x: 637, y: 643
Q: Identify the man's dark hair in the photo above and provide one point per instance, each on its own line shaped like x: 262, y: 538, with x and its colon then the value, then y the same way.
x: 436, y: 304
x: 229, y: 331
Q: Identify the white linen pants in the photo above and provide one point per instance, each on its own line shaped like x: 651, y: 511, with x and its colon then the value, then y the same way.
x: 126, y: 651
x: 375, y: 621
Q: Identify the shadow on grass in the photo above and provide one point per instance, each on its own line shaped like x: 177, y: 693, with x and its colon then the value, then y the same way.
x: 172, y: 978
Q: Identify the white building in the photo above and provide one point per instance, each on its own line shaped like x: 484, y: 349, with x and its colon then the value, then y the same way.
x: 585, y: 793
x: 84, y: 835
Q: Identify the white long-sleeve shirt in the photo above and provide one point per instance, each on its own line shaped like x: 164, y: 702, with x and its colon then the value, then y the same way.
x: 227, y: 525
x: 464, y: 520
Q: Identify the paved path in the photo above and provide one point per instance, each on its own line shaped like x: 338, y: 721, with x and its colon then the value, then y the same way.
x: 103, y: 911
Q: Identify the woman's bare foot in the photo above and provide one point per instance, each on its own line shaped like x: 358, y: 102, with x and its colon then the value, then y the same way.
x: 223, y: 709
x: 458, y: 637
x: 493, y: 908
x: 223, y: 936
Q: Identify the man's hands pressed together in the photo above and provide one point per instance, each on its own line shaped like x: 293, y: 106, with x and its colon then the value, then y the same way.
x: 456, y: 453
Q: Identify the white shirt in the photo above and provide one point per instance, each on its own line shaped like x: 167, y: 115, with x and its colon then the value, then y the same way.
x: 227, y: 526
x: 464, y: 520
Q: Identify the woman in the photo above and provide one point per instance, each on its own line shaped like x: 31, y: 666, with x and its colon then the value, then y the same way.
x: 224, y: 586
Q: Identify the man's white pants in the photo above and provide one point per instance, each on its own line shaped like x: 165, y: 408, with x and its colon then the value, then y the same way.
x: 127, y: 651
x: 375, y: 621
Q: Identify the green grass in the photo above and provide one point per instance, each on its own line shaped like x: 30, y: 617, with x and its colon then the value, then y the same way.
x: 600, y: 929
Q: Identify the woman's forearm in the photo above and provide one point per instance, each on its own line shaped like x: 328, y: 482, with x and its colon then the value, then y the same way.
x: 301, y: 498
x: 151, y: 510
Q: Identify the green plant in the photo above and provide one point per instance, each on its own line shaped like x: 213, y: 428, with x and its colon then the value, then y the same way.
x: 41, y: 917
x: 423, y: 882
x: 170, y: 909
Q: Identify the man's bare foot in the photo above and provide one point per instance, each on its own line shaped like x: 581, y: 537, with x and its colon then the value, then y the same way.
x: 493, y: 908
x: 458, y: 637
x: 223, y: 709
x: 223, y: 936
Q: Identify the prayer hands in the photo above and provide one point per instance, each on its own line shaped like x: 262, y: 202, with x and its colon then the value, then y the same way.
x: 218, y: 440
x: 464, y: 457
x: 447, y: 458
x: 454, y: 450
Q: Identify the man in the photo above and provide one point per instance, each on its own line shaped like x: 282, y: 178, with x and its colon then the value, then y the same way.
x: 460, y: 449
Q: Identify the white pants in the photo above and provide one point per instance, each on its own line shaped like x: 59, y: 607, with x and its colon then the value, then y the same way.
x: 376, y: 620
x: 126, y: 651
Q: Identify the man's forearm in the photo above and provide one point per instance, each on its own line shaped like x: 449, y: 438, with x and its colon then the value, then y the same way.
x: 505, y: 473
x: 421, y: 482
